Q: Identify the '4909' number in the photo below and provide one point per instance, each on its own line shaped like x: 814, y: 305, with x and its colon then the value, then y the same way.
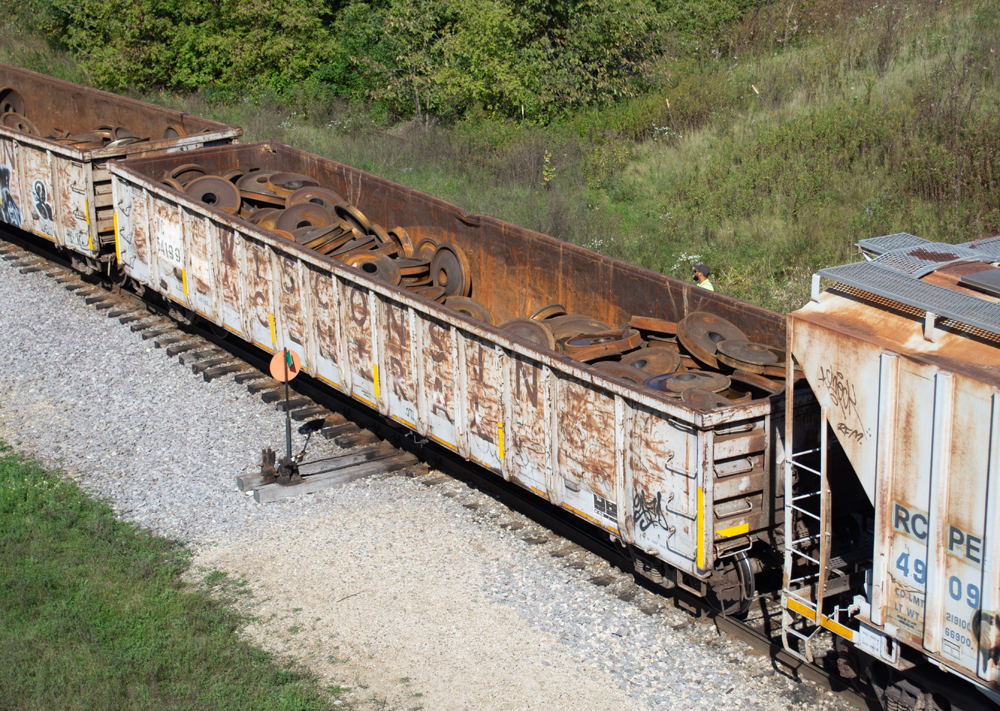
x: 956, y: 589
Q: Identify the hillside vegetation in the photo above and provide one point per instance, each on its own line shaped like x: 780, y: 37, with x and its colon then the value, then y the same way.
x: 764, y: 138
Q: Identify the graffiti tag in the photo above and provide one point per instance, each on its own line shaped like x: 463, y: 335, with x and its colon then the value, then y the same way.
x: 842, y: 391
x: 648, y: 512
x: 850, y: 433
x: 10, y: 212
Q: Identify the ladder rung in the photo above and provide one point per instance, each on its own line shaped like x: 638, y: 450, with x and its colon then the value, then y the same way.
x: 801, y: 635
x: 803, y: 467
x: 806, y: 496
x: 803, y: 511
x: 807, y: 538
x: 803, y: 555
x: 804, y: 601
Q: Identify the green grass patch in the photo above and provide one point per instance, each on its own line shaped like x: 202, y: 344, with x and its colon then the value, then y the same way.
x: 94, y: 614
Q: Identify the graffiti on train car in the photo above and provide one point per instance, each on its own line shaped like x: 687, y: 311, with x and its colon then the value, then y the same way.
x: 647, y: 510
x: 10, y: 211
x: 41, y: 209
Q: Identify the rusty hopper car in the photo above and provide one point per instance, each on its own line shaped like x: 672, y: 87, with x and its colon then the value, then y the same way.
x: 688, y: 491
x: 903, y: 353
x: 56, y: 139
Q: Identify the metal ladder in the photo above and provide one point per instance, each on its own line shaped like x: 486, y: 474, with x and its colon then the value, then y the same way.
x: 802, y: 596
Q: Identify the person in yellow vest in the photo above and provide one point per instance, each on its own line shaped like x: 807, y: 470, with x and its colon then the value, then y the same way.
x: 701, y: 274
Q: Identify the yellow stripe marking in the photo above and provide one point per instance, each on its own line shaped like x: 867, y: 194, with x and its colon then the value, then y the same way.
x: 701, y: 528
x: 734, y: 530
x: 274, y: 340
x: 449, y: 445
x: 500, y: 437
x: 824, y: 621
x: 184, y: 278
x: 581, y: 514
x: 375, y: 378
x: 86, y: 215
x: 118, y: 249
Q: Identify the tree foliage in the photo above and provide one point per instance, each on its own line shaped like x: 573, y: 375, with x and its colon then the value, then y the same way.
x: 193, y: 44
x: 529, y: 60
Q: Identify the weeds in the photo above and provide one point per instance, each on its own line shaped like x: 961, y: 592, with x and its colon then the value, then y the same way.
x: 809, y: 126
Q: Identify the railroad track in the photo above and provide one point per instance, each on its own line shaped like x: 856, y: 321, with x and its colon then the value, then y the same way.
x: 374, y: 445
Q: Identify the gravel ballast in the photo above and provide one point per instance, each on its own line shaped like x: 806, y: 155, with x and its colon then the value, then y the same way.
x: 408, y: 596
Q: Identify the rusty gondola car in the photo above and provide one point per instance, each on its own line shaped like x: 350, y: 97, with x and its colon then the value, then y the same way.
x: 56, y: 139
x: 689, y: 491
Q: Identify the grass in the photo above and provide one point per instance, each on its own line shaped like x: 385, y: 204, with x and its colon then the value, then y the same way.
x: 823, y: 123
x: 93, y: 614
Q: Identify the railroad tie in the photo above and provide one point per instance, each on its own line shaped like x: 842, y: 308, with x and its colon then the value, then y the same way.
x: 181, y: 348
x: 169, y: 340
x: 241, y: 378
x: 202, y: 365
x: 294, y: 403
x: 270, y: 396
x: 358, y: 439
x: 32, y: 268
x: 193, y: 356
x: 338, y: 430
x: 169, y: 329
x: 144, y: 325
x: 309, y: 413
x: 262, y: 385
x: 133, y: 317
x: 98, y: 297
x: 220, y: 370
x: 122, y: 311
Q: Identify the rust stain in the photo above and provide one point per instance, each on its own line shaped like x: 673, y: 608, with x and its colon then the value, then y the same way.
x: 230, y: 269
x: 359, y: 345
x: 397, y: 344
x: 140, y: 224
x: 484, y: 391
x: 291, y: 301
x: 527, y: 453
x: 259, y: 284
x: 933, y: 256
x: 587, y: 436
x: 439, y: 371
x: 323, y: 317
x: 200, y: 257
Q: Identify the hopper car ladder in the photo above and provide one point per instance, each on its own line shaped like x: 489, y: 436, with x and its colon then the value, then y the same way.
x: 807, y: 535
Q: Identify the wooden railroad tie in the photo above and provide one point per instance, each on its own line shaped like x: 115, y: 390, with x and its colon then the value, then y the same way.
x: 293, y: 403
x: 220, y: 370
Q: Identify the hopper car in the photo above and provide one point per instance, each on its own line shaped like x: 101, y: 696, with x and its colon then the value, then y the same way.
x: 841, y: 457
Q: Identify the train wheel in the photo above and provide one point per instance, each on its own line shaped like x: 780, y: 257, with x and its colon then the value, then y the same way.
x: 731, y: 587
